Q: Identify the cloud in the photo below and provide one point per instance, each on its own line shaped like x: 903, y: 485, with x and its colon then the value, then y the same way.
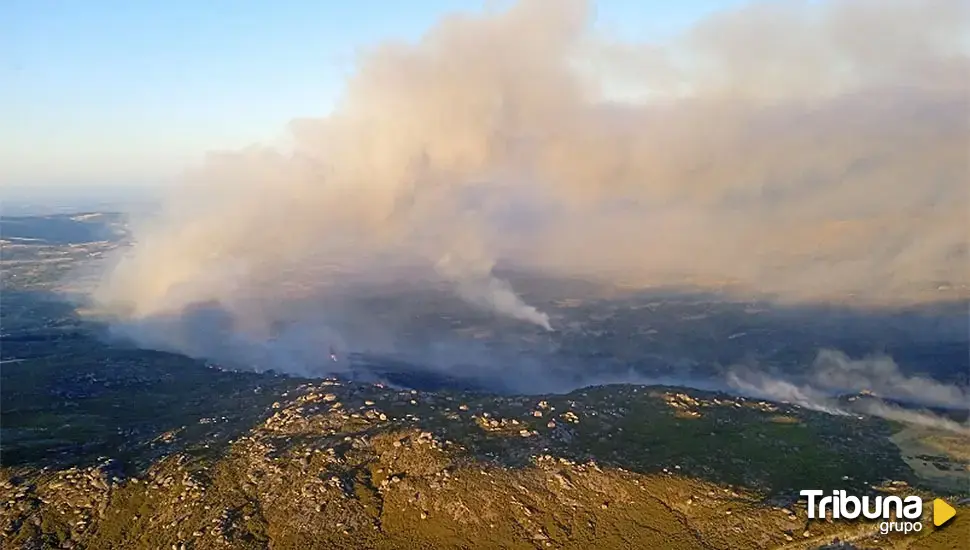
x: 808, y: 151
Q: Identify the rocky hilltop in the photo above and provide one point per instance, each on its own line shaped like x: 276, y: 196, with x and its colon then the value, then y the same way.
x: 344, y: 465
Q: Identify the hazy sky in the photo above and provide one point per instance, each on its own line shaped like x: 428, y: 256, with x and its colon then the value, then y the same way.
x: 113, y: 91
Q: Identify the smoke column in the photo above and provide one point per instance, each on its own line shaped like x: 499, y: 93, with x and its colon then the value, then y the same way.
x: 807, y: 151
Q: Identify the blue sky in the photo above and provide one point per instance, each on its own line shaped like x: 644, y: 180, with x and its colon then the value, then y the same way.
x: 120, y: 91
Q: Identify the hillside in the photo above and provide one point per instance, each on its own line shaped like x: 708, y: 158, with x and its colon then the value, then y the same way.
x: 335, y: 465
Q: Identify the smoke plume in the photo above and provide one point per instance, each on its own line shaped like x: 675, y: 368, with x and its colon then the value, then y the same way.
x: 807, y: 151
x: 834, y: 373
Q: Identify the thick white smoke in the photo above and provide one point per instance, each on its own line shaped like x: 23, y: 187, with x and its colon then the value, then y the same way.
x: 804, y: 150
